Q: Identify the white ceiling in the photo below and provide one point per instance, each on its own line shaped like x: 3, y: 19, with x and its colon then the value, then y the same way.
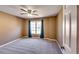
x: 42, y: 10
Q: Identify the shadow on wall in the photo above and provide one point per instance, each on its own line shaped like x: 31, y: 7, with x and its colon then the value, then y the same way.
x: 10, y: 28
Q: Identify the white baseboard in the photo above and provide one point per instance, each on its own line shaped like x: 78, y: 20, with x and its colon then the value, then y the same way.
x: 59, y: 46
x: 9, y: 43
x: 50, y: 39
x: 62, y: 50
x: 67, y: 49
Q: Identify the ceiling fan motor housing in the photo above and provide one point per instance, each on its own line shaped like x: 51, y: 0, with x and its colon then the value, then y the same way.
x: 29, y: 11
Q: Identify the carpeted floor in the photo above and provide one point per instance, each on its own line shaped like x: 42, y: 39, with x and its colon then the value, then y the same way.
x: 31, y: 46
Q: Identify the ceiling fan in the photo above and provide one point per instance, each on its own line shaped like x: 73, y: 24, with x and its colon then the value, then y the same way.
x: 29, y: 12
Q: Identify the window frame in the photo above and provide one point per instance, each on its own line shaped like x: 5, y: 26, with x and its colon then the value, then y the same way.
x: 36, y: 27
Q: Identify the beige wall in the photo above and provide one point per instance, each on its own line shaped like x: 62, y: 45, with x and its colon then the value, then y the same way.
x: 25, y: 27
x: 60, y: 27
x: 50, y: 27
x: 10, y: 28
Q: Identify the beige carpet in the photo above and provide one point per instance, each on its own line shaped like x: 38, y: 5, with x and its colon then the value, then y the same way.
x: 31, y: 46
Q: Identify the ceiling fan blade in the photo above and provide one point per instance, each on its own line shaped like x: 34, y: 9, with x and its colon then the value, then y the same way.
x: 23, y: 13
x: 23, y: 10
x: 34, y: 11
x: 35, y: 14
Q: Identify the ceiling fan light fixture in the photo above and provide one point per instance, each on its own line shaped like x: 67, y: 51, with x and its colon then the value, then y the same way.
x: 29, y: 15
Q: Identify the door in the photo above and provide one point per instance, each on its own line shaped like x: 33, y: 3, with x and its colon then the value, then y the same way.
x: 70, y: 29
x: 35, y: 28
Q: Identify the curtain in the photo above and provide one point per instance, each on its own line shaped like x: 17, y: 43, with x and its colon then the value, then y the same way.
x: 42, y: 29
x: 29, y: 30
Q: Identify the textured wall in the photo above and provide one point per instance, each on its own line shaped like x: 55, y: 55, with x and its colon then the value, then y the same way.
x: 10, y: 28
x: 24, y: 27
x: 50, y: 27
x: 60, y: 27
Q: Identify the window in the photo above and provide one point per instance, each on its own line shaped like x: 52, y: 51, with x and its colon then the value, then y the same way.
x: 35, y: 27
